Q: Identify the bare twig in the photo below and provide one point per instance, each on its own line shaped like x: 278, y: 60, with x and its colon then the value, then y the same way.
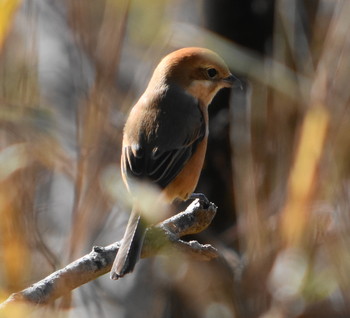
x: 99, y: 261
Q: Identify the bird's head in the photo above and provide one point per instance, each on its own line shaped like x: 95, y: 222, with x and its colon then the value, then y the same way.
x: 200, y: 72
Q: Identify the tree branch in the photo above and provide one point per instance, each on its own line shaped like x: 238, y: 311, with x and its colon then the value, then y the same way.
x: 99, y: 261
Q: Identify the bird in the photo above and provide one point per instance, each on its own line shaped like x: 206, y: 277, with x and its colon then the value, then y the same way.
x: 165, y: 136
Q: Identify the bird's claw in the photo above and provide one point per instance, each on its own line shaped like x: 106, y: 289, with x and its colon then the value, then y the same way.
x: 201, y: 197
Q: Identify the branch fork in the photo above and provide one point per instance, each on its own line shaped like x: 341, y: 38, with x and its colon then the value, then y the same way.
x: 194, y: 219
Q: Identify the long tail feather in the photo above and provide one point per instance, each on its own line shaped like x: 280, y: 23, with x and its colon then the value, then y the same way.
x: 130, y: 249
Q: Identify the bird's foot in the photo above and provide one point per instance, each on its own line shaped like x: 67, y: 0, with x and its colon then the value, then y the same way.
x: 201, y: 197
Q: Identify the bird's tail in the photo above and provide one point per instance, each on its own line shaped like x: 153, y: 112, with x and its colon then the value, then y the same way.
x: 130, y: 249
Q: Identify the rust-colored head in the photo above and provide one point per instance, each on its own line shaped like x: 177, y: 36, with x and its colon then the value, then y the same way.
x: 199, y: 71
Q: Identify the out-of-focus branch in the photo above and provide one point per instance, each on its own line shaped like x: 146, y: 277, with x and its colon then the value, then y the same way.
x: 99, y: 261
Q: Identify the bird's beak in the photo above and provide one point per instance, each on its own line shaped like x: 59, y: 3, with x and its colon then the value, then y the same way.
x: 232, y: 81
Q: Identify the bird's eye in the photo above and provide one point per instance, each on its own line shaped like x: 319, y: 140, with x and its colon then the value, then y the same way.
x: 212, y: 72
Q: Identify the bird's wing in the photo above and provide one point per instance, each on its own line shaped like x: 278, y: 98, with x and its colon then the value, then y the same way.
x: 161, y: 156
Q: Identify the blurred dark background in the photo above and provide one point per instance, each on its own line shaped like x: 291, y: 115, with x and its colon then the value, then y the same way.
x: 276, y: 166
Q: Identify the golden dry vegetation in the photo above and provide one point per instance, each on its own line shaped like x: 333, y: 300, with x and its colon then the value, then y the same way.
x: 70, y: 71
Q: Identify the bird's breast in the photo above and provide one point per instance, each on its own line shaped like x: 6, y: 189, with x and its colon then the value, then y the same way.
x: 186, y: 181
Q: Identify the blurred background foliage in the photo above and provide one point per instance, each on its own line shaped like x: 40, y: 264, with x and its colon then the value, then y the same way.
x: 277, y: 163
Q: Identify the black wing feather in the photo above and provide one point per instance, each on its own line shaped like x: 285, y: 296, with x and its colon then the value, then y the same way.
x: 161, y: 164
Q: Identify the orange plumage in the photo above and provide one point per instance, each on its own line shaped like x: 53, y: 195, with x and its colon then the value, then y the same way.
x: 165, y: 136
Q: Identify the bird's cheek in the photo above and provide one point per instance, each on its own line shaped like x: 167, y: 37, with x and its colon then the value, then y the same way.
x: 201, y: 89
